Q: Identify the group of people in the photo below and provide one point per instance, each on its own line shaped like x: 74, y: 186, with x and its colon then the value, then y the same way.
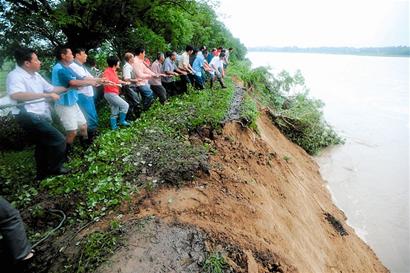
x: 72, y: 91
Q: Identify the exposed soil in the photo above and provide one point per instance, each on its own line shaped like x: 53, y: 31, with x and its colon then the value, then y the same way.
x: 263, y: 204
x: 158, y: 247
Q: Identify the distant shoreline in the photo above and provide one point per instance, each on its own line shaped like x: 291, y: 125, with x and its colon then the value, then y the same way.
x: 374, y: 52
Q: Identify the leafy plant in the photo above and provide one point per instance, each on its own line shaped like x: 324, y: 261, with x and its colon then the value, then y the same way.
x: 292, y: 110
x: 214, y: 263
x: 95, y: 248
x: 249, y: 112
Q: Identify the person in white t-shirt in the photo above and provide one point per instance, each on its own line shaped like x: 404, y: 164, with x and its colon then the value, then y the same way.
x: 217, y: 70
x: 26, y: 85
x: 85, y: 94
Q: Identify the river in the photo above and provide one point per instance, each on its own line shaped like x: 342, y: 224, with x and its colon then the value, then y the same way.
x: 367, y: 102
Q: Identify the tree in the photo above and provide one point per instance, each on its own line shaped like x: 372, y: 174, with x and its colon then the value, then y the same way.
x: 155, y: 24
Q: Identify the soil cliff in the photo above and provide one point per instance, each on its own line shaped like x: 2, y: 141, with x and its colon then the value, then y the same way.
x: 263, y: 205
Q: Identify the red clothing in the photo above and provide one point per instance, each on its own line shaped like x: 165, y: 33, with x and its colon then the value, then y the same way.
x: 111, y: 75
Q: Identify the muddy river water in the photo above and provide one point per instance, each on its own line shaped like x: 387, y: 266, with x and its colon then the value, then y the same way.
x: 367, y: 102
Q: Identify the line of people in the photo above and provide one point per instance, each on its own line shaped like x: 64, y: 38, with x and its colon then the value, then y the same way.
x: 73, y: 95
x: 72, y: 91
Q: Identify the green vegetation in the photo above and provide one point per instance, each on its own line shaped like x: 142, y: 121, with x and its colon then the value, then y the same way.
x: 249, y: 112
x: 214, y: 263
x: 112, y: 26
x: 293, y: 111
x: 153, y: 151
x: 94, y: 249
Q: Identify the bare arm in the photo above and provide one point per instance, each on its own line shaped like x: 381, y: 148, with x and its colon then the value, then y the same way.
x: 25, y: 96
x: 84, y: 82
x: 59, y: 89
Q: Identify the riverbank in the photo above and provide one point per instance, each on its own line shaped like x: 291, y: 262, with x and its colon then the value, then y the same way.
x: 264, y: 207
x: 236, y: 194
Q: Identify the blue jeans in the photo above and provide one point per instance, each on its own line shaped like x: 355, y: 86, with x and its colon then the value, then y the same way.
x: 199, y: 83
x: 87, y: 106
x: 147, y: 95
x: 117, y: 104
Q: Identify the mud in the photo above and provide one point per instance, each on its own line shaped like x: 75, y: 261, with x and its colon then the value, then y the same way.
x: 159, y: 247
x: 235, y: 110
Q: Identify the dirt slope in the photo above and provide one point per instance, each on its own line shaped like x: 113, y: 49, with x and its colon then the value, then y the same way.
x: 266, y: 204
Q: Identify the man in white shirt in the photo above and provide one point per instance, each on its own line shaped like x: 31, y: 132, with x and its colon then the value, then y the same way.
x: 25, y: 84
x: 184, y: 65
x: 217, y: 69
x: 85, y: 94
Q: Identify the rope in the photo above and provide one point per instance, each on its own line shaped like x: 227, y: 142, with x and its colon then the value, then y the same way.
x: 21, y: 104
x: 64, y: 217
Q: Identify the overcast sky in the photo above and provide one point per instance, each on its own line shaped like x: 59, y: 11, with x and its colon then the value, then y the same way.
x: 310, y: 23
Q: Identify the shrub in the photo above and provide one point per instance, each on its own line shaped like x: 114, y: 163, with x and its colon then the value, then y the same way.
x: 12, y: 136
x: 293, y: 111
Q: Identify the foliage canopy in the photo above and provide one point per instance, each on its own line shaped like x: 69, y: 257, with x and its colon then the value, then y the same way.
x: 157, y: 25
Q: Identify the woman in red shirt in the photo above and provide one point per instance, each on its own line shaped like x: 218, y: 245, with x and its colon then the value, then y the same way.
x: 111, y: 93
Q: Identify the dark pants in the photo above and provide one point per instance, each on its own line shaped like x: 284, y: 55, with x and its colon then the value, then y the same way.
x: 199, y: 83
x: 182, y: 85
x: 50, y: 143
x: 160, y: 92
x: 12, y: 229
x: 171, y: 88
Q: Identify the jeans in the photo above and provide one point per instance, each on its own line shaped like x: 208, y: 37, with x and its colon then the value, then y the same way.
x: 87, y: 106
x: 50, y: 143
x: 147, y: 95
x: 116, y: 103
x: 12, y: 230
x: 199, y: 83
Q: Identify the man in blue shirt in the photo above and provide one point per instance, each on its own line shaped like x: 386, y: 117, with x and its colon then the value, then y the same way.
x: 199, y: 66
x: 66, y: 107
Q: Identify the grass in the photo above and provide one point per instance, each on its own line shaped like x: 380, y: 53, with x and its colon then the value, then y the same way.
x: 153, y: 151
x: 214, y: 263
x: 94, y: 249
x: 7, y: 67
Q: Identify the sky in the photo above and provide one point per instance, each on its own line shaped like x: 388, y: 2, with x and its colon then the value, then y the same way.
x: 313, y: 23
